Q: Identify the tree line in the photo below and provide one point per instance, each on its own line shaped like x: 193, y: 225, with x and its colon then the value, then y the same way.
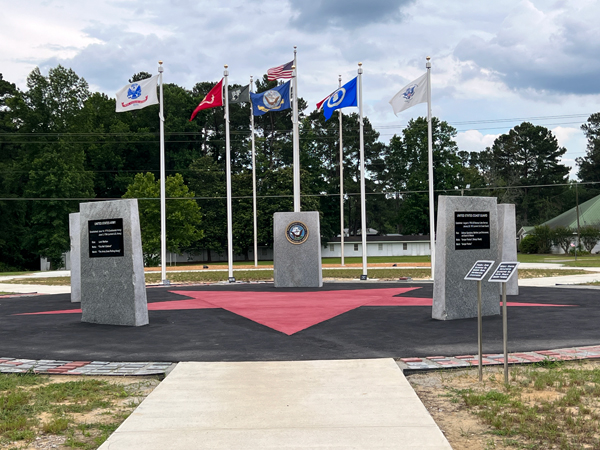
x: 61, y: 144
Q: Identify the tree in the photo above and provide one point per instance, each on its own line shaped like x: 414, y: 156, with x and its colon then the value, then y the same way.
x: 589, y: 165
x: 563, y: 237
x: 589, y: 236
x: 182, y: 214
x: 528, y: 155
x: 55, y: 176
x: 407, y: 171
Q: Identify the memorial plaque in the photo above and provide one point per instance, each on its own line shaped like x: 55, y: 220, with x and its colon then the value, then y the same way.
x: 471, y: 230
x: 479, y: 269
x: 504, y: 272
x: 467, y: 232
x: 105, y: 238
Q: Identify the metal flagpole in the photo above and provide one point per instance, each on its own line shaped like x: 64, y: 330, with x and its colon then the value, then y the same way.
x: 363, y: 212
x: 228, y: 174
x: 341, y: 182
x: 253, y: 180
x: 163, y: 209
x: 430, y: 159
x: 296, y: 138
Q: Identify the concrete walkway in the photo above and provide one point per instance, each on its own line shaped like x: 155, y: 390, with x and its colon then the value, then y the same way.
x: 350, y: 404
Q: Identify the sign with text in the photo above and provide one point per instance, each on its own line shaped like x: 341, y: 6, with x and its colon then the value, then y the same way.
x: 479, y: 269
x: 471, y: 230
x: 105, y: 238
x: 504, y: 271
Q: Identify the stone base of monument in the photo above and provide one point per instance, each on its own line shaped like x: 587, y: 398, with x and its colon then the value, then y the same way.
x: 467, y: 231
x: 297, y: 249
x: 113, y: 287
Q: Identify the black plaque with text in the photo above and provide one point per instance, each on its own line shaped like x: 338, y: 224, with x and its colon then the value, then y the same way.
x: 471, y: 230
x: 105, y: 238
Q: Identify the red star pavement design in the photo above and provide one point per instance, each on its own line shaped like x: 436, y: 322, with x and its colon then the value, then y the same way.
x: 290, y: 312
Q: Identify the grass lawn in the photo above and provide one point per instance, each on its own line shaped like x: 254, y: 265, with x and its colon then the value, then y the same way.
x: 66, y: 411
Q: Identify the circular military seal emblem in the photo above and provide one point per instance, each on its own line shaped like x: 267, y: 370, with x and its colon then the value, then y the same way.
x: 296, y: 233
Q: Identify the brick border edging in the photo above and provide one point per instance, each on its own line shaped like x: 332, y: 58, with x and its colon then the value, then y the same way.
x: 49, y: 366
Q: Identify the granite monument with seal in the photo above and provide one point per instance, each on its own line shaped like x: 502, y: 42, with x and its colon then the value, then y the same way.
x: 297, y: 249
x: 113, y: 287
x: 467, y: 231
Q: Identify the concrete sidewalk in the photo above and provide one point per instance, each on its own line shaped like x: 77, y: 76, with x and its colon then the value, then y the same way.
x: 348, y: 404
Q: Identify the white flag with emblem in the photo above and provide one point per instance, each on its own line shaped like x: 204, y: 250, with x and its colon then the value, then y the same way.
x: 410, y: 95
x: 137, y: 95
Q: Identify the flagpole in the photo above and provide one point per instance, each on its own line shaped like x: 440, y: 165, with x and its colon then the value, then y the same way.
x: 253, y: 180
x: 296, y: 139
x: 341, y: 182
x: 163, y: 213
x: 363, y: 213
x: 430, y: 168
x: 228, y: 175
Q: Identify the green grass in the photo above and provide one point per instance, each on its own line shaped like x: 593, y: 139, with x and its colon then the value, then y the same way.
x: 10, y: 274
x: 567, y: 260
x: 569, y: 418
x: 24, y: 399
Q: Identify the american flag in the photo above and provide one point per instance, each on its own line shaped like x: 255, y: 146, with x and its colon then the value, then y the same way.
x: 283, y: 71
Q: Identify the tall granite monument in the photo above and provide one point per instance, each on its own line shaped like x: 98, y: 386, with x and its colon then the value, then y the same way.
x: 297, y: 249
x: 75, y: 256
x: 467, y: 231
x: 113, y: 288
x: 507, y: 243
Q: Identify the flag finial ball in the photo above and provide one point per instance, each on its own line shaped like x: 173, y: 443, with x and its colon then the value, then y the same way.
x: 293, y: 67
x: 160, y: 62
x: 428, y: 58
x: 360, y: 64
x: 226, y: 66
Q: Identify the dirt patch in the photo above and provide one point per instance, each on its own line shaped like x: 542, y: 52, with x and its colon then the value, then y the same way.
x: 466, y: 430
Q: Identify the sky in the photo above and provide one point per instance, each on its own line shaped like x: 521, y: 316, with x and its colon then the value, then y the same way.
x: 494, y: 64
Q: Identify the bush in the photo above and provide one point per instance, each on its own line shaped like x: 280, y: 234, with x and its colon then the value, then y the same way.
x: 589, y: 236
x: 528, y: 244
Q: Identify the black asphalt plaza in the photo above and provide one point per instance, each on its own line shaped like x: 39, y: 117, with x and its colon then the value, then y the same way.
x: 217, y: 334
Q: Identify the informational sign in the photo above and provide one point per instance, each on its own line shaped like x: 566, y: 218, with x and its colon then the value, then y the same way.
x: 479, y: 269
x: 471, y: 230
x: 504, y: 271
x: 105, y: 238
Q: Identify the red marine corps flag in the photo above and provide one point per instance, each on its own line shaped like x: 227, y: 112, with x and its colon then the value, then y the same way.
x: 213, y: 98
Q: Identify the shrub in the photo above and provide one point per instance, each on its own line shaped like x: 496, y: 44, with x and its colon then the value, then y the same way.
x: 528, y: 244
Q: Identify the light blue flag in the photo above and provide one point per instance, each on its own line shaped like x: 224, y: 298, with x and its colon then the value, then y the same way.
x: 344, y: 96
x: 276, y: 99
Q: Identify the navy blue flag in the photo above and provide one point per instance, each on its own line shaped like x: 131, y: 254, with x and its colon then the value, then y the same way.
x: 344, y: 96
x: 276, y: 99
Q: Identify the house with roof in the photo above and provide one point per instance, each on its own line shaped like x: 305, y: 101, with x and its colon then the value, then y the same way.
x: 589, y: 214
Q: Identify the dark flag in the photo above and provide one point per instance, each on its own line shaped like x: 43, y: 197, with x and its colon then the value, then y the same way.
x: 276, y: 99
x: 239, y: 94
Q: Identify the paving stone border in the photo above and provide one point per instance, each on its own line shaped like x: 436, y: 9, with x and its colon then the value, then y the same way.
x: 408, y: 365
x: 411, y: 365
x: 48, y: 366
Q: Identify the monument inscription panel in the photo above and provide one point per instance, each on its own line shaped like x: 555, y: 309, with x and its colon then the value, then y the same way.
x: 471, y: 230
x: 105, y: 238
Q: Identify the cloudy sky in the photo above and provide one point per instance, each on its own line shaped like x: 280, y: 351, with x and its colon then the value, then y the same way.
x: 494, y: 64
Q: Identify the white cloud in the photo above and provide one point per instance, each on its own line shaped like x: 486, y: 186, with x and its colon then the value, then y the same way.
x: 474, y: 141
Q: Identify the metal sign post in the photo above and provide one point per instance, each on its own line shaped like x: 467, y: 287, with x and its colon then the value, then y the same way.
x: 502, y: 274
x: 477, y: 273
